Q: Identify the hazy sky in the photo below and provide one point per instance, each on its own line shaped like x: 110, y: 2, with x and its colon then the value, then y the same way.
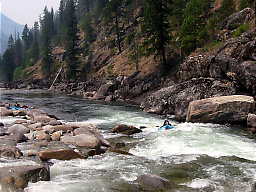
x: 26, y: 11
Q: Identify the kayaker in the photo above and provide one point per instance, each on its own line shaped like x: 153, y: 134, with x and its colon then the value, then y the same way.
x: 17, y: 104
x: 166, y: 125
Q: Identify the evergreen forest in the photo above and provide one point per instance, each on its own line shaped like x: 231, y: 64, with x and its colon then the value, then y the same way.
x: 166, y: 30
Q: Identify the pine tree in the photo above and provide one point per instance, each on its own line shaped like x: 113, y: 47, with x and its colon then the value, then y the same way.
x: 113, y: 14
x: 72, y: 38
x: 35, y: 45
x: 47, y: 58
x: 18, y: 52
x: 8, y: 63
x: 193, y: 31
x: 155, y: 27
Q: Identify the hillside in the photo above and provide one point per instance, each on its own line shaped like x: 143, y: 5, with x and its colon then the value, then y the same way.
x: 8, y: 27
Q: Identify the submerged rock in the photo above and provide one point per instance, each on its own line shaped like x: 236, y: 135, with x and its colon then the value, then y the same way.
x: 125, y: 129
x: 226, y: 109
x: 151, y: 182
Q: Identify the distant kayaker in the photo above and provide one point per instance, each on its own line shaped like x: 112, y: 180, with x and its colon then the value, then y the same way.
x: 166, y: 125
x: 166, y: 122
x: 17, y: 104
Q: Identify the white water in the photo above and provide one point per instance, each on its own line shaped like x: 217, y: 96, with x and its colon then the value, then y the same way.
x: 224, y: 155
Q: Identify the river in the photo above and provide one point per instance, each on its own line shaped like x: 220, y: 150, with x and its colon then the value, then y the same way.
x: 203, y: 157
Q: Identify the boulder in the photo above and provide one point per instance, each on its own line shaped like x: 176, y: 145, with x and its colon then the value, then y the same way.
x: 88, y: 130
x: 175, y: 99
x: 63, y: 128
x: 1, y: 124
x: 5, y: 112
x: 151, y: 182
x: 238, y: 18
x: 17, y: 129
x: 60, y: 155
x: 19, y: 176
x: 56, y: 136
x: 20, y: 112
x: 55, y: 122
x: 41, y: 135
x: 82, y: 140
x: 226, y: 109
x: 251, y: 120
x: 125, y: 129
x: 48, y: 129
x: 18, y: 138
x: 90, y: 126
x: 39, y: 118
x: 35, y: 126
x: 10, y: 151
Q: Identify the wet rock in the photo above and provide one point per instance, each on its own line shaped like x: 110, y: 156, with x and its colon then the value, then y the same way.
x: 125, y: 129
x: 251, y: 120
x: 227, y: 109
x: 10, y: 151
x: 150, y: 182
x: 1, y: 124
x: 19, y: 176
x: 60, y: 155
x: 252, y: 131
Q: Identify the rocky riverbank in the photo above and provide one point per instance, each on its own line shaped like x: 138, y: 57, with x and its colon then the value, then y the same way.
x: 48, y: 138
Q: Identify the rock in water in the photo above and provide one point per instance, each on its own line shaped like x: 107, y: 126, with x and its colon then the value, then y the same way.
x: 60, y: 155
x: 151, y: 182
x: 226, y: 109
x: 19, y: 176
x: 125, y: 129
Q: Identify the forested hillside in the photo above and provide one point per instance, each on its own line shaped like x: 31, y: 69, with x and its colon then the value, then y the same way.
x: 100, y: 38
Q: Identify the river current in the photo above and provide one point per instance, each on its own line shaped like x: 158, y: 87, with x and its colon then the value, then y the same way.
x: 202, y: 157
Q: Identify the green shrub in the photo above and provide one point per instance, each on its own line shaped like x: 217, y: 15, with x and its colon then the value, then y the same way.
x: 17, y: 73
x: 241, y: 29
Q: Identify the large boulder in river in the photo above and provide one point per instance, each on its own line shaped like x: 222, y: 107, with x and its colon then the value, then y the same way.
x: 125, y: 129
x: 19, y: 176
x: 82, y: 140
x: 176, y: 98
x: 66, y: 154
x: 226, y: 109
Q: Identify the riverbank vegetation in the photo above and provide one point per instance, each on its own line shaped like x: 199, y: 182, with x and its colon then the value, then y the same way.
x: 107, y: 38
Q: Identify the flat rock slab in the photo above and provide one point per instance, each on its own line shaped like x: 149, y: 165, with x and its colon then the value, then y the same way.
x: 232, y: 109
x: 19, y: 176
